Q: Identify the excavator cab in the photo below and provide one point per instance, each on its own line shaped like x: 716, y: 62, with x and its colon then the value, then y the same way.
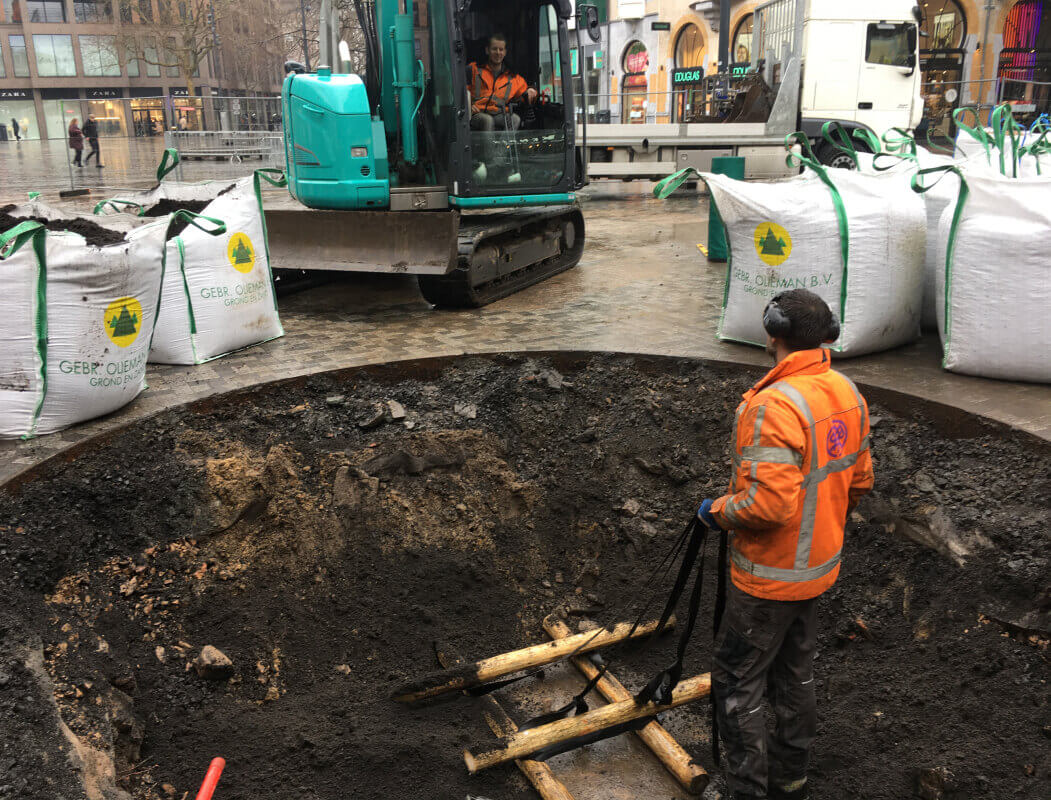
x: 529, y: 155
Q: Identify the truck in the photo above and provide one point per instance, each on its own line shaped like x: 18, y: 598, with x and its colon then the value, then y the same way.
x: 813, y: 61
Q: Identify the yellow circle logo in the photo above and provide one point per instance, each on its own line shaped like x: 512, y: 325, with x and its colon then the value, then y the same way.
x: 241, y: 253
x: 123, y: 320
x: 772, y: 243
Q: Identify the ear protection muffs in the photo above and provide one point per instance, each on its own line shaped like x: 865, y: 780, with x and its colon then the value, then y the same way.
x: 775, y: 321
x: 833, y: 330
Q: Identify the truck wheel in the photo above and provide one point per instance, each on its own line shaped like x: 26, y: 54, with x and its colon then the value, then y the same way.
x: 831, y: 157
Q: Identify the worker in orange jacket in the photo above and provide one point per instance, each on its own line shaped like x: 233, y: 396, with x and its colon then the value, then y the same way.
x: 493, y: 87
x: 801, y: 463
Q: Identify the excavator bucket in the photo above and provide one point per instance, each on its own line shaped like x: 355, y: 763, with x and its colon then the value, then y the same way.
x: 416, y: 243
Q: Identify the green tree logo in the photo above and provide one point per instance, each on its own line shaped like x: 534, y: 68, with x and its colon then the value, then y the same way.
x: 773, y: 245
x: 122, y: 320
x: 241, y: 253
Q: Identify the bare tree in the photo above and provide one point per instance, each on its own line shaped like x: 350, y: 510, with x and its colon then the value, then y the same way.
x: 177, y: 35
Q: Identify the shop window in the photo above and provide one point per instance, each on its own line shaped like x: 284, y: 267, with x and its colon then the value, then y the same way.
x: 58, y: 114
x: 93, y: 10
x: 12, y: 11
x: 21, y: 112
x: 98, y: 54
x: 19, y: 57
x: 741, y: 47
x: 46, y: 10
x: 54, y: 55
x: 634, y: 104
x: 689, y: 47
x: 944, y: 25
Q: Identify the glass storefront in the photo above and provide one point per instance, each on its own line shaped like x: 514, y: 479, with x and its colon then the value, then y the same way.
x: 147, y: 116
x: 1024, y: 71
x: 741, y: 45
x: 110, y: 115
x: 58, y: 114
x: 189, y: 114
x: 633, y: 104
x: 941, y: 62
x: 688, y: 99
x: 18, y: 105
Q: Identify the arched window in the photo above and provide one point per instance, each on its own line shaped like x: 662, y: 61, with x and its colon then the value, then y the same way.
x: 741, y: 44
x: 944, y: 24
x: 635, y: 62
x: 689, y: 47
x: 636, y: 58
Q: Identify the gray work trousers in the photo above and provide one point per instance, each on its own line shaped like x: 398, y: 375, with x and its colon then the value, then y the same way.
x: 481, y: 121
x: 765, y: 647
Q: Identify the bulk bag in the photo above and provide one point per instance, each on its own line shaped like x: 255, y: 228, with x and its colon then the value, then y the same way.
x: 994, y: 289
x: 856, y: 240
x: 218, y: 295
x: 75, y: 325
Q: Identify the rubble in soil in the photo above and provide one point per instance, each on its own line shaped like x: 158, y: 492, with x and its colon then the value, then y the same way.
x: 93, y: 233
x: 249, y: 579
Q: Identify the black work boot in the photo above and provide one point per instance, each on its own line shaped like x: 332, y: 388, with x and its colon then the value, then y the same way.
x: 797, y: 790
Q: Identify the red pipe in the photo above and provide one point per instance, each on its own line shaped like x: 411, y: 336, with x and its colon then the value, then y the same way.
x: 211, y: 778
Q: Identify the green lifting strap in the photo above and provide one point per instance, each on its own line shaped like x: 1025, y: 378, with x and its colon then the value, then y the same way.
x: 193, y: 219
x: 900, y: 141
x: 843, y: 145
x: 164, y: 168
x: 667, y: 186
x: 10, y: 243
x: 34, y: 195
x: 921, y: 186
x: 116, y: 204
x: 268, y: 175
x: 977, y: 133
x: 809, y: 160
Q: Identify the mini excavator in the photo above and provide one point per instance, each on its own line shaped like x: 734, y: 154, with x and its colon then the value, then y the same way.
x: 398, y: 180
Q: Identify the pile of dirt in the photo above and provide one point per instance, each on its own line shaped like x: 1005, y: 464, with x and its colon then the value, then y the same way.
x: 92, y: 232
x: 326, y: 535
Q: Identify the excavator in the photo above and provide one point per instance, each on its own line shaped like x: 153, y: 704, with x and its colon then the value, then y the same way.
x: 385, y: 173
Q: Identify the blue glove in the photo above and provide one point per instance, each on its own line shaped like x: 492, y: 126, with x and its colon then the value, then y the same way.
x: 705, y: 515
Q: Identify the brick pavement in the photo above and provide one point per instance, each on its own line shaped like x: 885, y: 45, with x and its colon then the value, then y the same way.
x: 641, y: 287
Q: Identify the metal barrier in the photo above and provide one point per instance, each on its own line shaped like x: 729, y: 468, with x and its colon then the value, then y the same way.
x: 232, y: 146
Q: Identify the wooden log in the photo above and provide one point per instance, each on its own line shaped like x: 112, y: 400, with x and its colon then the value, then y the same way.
x: 524, y: 743
x: 690, y: 775
x: 464, y: 676
x: 537, y: 773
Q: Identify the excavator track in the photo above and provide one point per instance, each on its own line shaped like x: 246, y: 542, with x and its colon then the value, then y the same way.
x: 501, y: 253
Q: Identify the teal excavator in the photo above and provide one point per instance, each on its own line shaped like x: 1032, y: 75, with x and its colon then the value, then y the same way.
x: 398, y: 180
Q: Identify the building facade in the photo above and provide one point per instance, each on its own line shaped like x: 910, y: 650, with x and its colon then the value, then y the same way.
x: 655, y: 53
x: 61, y: 59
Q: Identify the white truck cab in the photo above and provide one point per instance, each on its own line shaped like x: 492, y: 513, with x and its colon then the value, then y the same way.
x: 860, y: 67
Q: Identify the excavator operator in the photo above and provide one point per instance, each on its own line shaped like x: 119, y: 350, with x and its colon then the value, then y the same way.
x: 493, y: 87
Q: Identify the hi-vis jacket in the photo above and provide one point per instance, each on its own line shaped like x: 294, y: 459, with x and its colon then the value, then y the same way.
x: 801, y: 462
x: 490, y: 93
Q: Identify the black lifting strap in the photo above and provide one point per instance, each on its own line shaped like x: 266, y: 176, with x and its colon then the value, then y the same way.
x: 659, y: 690
x: 578, y: 705
x: 720, y: 606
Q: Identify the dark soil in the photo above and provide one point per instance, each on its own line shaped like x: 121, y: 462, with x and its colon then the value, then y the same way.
x: 326, y: 547
x: 166, y: 207
x: 95, y: 234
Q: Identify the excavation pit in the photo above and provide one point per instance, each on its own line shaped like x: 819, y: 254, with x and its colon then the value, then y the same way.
x: 329, y: 534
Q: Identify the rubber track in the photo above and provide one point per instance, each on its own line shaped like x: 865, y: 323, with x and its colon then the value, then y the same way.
x: 454, y: 290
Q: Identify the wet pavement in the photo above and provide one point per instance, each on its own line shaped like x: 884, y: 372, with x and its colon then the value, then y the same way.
x: 642, y: 286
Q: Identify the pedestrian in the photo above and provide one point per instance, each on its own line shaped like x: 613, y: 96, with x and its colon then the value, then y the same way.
x: 801, y: 444
x: 15, y: 128
x: 91, y: 131
x: 183, y: 124
x: 76, y: 141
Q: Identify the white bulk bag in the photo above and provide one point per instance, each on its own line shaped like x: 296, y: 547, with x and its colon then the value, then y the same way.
x: 219, y: 291
x: 863, y: 253
x: 75, y: 325
x: 994, y: 290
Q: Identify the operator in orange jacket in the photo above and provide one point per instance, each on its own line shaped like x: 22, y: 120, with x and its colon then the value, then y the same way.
x: 801, y: 463
x: 493, y: 87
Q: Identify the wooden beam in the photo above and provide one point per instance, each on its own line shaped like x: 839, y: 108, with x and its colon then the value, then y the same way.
x: 524, y: 743
x: 690, y: 775
x: 537, y: 773
x: 466, y: 675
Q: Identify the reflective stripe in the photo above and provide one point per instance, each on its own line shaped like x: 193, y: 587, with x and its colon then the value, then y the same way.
x: 810, y: 493
x: 480, y: 87
x: 785, y: 575
x: 770, y: 455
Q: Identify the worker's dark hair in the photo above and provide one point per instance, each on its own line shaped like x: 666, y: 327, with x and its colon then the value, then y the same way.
x: 498, y: 36
x: 801, y: 320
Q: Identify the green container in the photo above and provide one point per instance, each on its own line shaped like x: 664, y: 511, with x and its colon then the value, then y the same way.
x: 731, y: 167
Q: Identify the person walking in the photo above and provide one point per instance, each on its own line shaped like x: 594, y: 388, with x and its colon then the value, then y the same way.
x: 15, y: 129
x: 801, y: 463
x: 76, y: 141
x: 91, y: 131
